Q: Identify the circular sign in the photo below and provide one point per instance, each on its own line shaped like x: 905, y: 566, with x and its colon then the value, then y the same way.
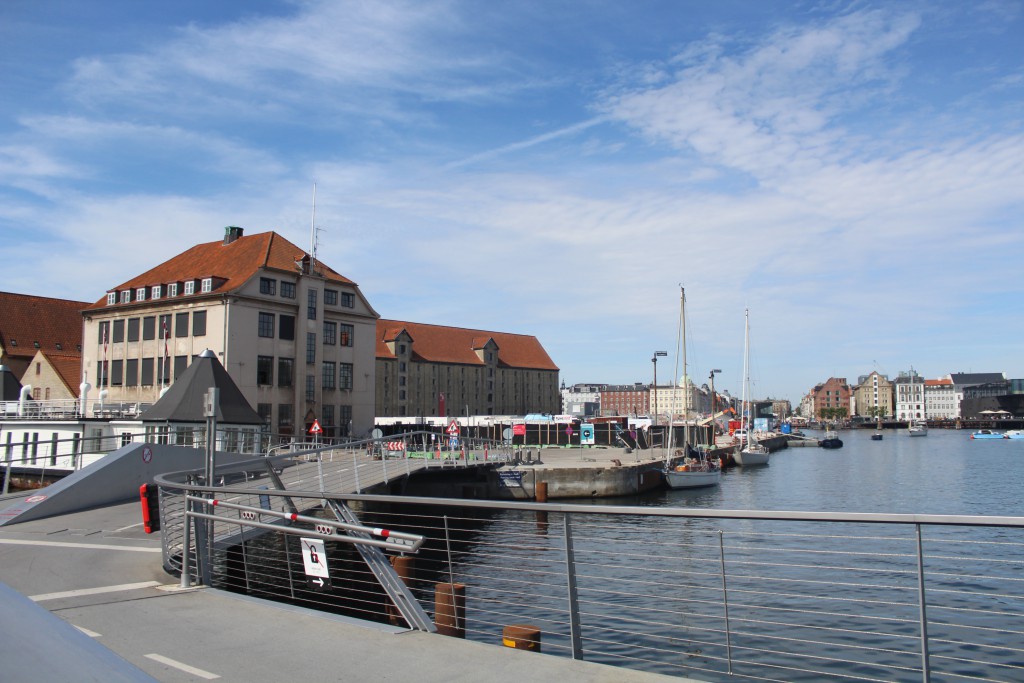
x: 507, y: 433
x: 147, y: 454
x: 376, y: 433
x: 568, y: 431
x: 35, y: 499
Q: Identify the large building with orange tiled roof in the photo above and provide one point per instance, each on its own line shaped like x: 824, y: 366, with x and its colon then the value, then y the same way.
x: 29, y: 324
x: 296, y: 336
x: 434, y: 370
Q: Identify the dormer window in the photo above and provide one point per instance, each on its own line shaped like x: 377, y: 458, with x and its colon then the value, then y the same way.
x: 60, y: 347
x: 207, y: 285
x: 126, y: 296
x: 190, y: 287
x: 140, y: 294
x: 172, y: 289
x: 155, y: 292
x: 35, y: 344
x: 111, y: 298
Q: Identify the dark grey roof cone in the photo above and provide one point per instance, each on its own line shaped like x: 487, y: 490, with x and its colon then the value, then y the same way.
x: 10, y: 387
x: 184, y: 400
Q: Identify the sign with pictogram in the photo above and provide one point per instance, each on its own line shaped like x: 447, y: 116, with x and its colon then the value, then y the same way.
x: 147, y: 454
x: 568, y: 431
x: 315, y: 560
x: 316, y: 428
x: 587, y: 434
x: 453, y: 428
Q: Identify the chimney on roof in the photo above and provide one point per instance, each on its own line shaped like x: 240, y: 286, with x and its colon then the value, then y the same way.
x: 231, y: 233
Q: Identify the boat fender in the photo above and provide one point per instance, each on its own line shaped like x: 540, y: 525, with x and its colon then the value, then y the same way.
x: 683, y: 468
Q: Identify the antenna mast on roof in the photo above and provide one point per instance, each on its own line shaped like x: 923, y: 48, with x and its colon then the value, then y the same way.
x: 312, y: 235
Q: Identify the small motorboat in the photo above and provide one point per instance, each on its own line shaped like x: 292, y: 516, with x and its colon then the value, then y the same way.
x: 987, y: 434
x: 1014, y: 434
x: 877, y: 436
x: 831, y: 440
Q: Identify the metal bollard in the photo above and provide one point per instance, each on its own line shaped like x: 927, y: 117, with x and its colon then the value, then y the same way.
x: 450, y: 609
x: 405, y: 568
x: 521, y: 637
x: 540, y: 491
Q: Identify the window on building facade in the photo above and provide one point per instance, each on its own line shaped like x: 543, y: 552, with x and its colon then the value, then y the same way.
x: 111, y: 298
x: 172, y: 289
x: 287, y: 290
x: 207, y: 285
x: 327, y: 413
x: 117, y: 331
x: 149, y: 328
x: 311, y: 297
x: 101, y: 373
x: 348, y: 300
x: 181, y: 324
x: 310, y: 348
x: 285, y: 421
x: 264, y: 410
x: 330, y: 333
x: 330, y: 297
x: 327, y: 376
x: 116, y: 370
x: 266, y: 325
x: 268, y: 286
x: 126, y: 296
x: 133, y: 329
x: 140, y: 294
x: 155, y: 291
x: 199, y: 323
x: 147, y: 372
x: 286, y: 327
x: 285, y: 372
x: 344, y: 420
x: 264, y: 371
x: 180, y: 365
x: 344, y: 375
x: 190, y: 287
x: 310, y: 388
x: 131, y: 372
x: 345, y: 334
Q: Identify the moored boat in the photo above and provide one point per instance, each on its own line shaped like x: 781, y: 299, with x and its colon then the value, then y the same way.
x: 877, y: 436
x: 831, y: 440
x: 1015, y: 434
x: 988, y: 434
x: 917, y: 428
x: 750, y: 452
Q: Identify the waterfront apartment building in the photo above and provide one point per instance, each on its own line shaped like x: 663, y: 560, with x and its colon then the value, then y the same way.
x: 940, y: 399
x: 625, y: 399
x: 434, y: 370
x: 831, y: 397
x: 295, y: 336
x: 909, y: 393
x: 873, y: 396
x: 41, y: 343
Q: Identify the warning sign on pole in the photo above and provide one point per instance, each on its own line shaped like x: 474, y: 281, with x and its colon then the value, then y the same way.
x: 316, y: 428
x: 453, y: 428
x: 315, y: 560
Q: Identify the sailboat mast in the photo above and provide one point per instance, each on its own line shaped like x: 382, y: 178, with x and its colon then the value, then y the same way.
x: 745, y: 420
x: 686, y: 377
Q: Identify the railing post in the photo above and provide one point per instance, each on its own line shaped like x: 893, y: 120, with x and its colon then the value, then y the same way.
x: 725, y: 599
x: 186, y: 578
x: 574, y: 605
x: 355, y: 468
x: 448, y: 545
x: 926, y: 674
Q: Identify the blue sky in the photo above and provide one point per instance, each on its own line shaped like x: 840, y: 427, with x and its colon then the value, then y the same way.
x: 851, y: 172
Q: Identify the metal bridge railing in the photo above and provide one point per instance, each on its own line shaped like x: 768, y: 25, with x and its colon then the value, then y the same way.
x: 782, y: 596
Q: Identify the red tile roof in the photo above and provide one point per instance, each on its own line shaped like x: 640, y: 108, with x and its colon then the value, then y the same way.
x: 440, y: 344
x: 27, y: 319
x: 236, y: 263
x: 938, y: 382
x: 69, y: 367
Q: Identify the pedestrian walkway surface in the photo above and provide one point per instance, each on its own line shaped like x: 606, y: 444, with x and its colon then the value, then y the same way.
x: 98, y: 571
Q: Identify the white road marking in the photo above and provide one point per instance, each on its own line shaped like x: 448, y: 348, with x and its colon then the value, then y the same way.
x: 130, y: 526
x: 86, y: 546
x: 93, y: 591
x: 91, y: 634
x: 183, y: 667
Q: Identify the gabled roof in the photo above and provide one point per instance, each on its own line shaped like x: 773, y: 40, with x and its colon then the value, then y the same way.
x: 184, y: 400
x: 234, y: 264
x: 441, y: 344
x: 26, y: 320
x: 69, y: 367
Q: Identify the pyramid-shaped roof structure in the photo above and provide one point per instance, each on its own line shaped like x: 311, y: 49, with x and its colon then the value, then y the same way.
x: 185, y: 399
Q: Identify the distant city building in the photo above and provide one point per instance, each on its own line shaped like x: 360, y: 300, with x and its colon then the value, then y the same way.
x: 940, y: 400
x: 781, y: 409
x: 294, y: 335
x: 873, y: 396
x: 831, y: 398
x: 582, y: 400
x: 41, y: 343
x: 434, y: 370
x: 909, y: 392
x: 963, y: 380
x: 625, y: 399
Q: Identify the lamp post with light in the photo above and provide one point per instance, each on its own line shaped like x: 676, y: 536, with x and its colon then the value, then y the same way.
x: 654, y: 359
x: 712, y: 376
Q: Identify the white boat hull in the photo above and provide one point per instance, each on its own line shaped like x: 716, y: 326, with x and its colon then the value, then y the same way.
x: 748, y: 458
x: 691, y: 479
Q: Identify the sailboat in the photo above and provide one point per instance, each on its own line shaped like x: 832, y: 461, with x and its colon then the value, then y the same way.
x: 752, y: 453
x: 689, y: 468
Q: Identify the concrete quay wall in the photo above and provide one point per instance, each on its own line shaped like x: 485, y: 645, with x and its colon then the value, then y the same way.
x: 575, y: 473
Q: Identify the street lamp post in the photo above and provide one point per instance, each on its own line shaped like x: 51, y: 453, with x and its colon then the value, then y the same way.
x: 713, y: 373
x: 654, y: 359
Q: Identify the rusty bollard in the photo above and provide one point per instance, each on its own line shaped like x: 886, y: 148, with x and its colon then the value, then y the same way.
x: 450, y: 609
x: 521, y: 637
x: 540, y: 492
x: 405, y: 567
